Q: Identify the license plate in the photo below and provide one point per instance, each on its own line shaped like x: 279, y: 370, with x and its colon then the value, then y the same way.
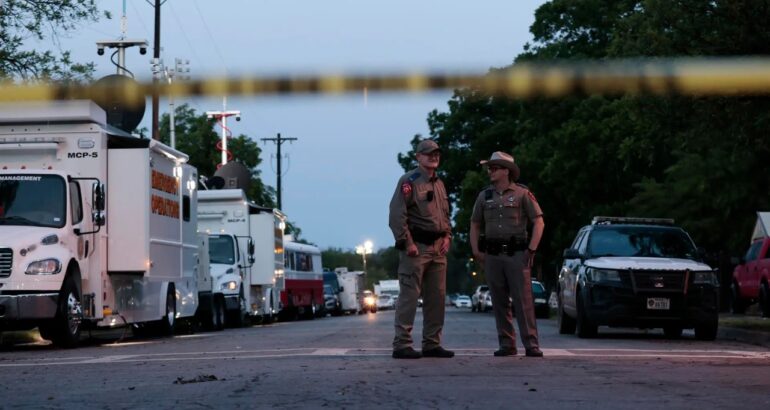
x: 539, y: 300
x: 658, y: 303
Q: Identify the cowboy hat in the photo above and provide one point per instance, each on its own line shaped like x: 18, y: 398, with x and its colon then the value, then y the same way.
x: 501, y: 159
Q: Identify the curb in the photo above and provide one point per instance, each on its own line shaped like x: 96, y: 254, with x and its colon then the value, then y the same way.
x: 753, y: 337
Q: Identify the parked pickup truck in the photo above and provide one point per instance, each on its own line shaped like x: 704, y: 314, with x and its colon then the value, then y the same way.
x: 751, y: 277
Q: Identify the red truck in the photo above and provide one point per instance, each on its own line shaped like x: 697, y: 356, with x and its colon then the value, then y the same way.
x: 751, y: 277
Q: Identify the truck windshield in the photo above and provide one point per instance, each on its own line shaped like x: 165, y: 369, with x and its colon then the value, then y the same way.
x: 33, y: 200
x: 221, y: 250
x: 641, y: 241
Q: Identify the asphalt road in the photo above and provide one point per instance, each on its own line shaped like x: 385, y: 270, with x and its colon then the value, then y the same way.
x: 344, y: 362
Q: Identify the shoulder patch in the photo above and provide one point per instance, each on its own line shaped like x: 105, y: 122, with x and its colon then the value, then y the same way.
x: 414, y: 177
x: 531, y: 196
x: 406, y: 189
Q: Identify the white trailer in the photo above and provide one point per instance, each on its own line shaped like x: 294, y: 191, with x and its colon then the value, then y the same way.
x: 387, y: 287
x: 246, y: 251
x: 351, y: 289
x: 97, y: 228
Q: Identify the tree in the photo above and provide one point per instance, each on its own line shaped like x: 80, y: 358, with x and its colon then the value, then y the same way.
x: 21, y: 21
x: 699, y: 160
x: 196, y: 137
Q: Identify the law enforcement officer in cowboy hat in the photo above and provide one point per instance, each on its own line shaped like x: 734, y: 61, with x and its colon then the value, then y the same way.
x: 502, y: 212
x: 419, y: 219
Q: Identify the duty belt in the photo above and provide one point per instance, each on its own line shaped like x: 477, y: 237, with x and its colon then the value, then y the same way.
x: 425, y: 237
x: 496, y: 247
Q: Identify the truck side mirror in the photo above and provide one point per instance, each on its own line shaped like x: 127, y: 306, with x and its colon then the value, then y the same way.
x: 251, y: 249
x: 342, y: 288
x: 97, y: 196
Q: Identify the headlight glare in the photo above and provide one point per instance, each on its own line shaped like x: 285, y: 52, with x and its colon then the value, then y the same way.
x: 603, y: 275
x: 231, y: 285
x: 704, y: 278
x: 44, y: 267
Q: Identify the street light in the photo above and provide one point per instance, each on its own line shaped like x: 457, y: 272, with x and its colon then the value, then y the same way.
x: 363, y: 250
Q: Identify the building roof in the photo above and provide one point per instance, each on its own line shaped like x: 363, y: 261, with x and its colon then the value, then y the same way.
x: 762, y: 228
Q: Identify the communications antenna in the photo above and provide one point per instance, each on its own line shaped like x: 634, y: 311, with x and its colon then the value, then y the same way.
x: 221, y: 117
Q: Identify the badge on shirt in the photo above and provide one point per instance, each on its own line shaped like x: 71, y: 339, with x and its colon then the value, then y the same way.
x: 510, y: 201
x: 406, y: 189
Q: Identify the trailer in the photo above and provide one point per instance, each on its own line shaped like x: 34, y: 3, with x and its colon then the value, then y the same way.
x: 351, y: 290
x: 97, y: 227
x: 246, y: 253
x: 303, y: 294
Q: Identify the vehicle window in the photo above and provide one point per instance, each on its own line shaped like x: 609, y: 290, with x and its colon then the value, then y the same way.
x: 76, y: 204
x: 583, y: 241
x: 221, y: 250
x: 186, y: 208
x: 641, y: 241
x: 33, y: 200
x: 578, y: 237
x: 537, y: 288
x: 753, y: 252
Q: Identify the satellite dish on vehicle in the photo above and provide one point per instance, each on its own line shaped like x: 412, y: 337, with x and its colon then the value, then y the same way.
x: 120, y: 113
x: 235, y: 175
x: 214, y: 182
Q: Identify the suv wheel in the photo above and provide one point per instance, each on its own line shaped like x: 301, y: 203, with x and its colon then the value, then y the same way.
x: 737, y: 306
x: 707, y: 331
x: 566, y: 323
x: 764, y: 300
x: 585, y: 328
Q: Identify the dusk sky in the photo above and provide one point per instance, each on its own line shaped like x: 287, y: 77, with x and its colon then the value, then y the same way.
x: 342, y: 171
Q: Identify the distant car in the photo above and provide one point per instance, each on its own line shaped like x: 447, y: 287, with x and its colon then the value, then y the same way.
x: 540, y: 299
x: 419, y: 301
x: 331, y: 302
x: 751, y: 277
x: 385, y: 302
x: 477, y: 297
x: 450, y: 299
x: 368, y: 302
x: 462, y: 301
x: 486, y: 302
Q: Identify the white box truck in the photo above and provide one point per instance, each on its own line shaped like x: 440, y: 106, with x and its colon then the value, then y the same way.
x: 352, y: 290
x: 246, y: 253
x: 97, y: 228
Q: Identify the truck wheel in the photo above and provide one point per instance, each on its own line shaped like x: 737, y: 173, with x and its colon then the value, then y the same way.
x: 737, y: 306
x: 585, y: 328
x: 65, y: 329
x: 167, y: 322
x: 566, y: 323
x: 764, y: 300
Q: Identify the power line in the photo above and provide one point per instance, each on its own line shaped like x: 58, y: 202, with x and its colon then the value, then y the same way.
x: 278, y: 140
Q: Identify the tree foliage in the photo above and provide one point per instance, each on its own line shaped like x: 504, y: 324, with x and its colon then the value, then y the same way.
x: 25, y: 21
x: 701, y: 161
x: 196, y: 137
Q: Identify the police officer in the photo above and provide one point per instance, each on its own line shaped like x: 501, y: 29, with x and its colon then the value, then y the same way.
x: 503, y: 211
x: 419, y: 219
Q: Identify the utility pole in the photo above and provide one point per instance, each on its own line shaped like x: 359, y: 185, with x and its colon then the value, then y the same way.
x: 221, y: 117
x: 156, y: 57
x: 180, y: 71
x: 278, y: 141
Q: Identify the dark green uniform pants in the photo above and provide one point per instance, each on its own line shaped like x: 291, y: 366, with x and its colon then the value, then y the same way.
x: 425, y: 272
x: 509, y: 280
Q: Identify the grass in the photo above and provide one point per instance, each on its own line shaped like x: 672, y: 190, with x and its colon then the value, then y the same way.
x: 746, y: 322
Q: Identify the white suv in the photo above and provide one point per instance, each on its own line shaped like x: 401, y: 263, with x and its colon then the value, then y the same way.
x: 636, y: 272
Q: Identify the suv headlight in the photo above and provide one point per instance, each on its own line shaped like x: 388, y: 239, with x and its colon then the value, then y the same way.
x: 705, y: 278
x: 603, y: 275
x: 44, y: 267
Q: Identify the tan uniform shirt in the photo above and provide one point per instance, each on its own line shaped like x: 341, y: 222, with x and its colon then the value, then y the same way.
x: 506, y: 214
x: 418, y: 202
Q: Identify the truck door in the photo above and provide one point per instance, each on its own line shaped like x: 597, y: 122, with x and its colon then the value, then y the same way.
x: 751, y: 280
